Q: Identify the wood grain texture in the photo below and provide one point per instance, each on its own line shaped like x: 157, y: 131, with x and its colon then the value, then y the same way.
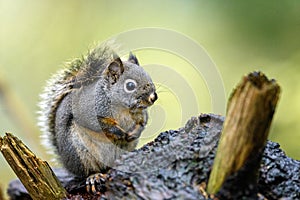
x: 35, y: 174
x: 250, y: 111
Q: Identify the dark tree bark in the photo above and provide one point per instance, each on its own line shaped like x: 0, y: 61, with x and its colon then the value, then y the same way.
x: 177, y: 164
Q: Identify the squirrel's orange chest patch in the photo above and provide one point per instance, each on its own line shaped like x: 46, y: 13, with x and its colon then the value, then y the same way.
x: 124, y: 119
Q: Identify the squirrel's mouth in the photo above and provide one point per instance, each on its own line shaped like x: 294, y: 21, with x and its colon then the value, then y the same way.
x: 152, y: 98
x: 145, y: 100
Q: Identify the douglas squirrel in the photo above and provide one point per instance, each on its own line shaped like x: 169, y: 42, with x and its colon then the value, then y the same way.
x: 95, y: 109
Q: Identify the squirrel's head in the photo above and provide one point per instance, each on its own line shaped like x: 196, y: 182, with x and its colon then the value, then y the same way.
x: 129, y: 84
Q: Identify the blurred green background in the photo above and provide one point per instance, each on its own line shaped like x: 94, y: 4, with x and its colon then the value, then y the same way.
x: 37, y: 37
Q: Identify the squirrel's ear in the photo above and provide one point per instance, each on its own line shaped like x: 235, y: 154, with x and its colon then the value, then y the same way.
x: 114, y: 70
x: 132, y: 58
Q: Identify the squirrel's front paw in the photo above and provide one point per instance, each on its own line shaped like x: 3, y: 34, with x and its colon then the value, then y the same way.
x: 96, y: 183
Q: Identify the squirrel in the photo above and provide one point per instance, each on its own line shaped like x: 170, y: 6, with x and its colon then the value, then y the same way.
x: 95, y: 109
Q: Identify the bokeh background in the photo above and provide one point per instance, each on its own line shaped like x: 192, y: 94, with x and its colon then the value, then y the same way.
x: 37, y: 37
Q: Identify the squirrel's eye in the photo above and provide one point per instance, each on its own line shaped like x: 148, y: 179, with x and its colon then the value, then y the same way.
x: 130, y: 85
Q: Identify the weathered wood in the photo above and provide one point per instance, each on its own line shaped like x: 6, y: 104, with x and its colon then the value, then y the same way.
x: 35, y: 174
x: 249, y: 114
x: 1, y: 194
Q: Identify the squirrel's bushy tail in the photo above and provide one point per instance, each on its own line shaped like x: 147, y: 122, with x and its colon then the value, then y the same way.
x: 63, y: 82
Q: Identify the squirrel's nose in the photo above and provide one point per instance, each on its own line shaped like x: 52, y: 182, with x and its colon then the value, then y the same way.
x: 152, y: 97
